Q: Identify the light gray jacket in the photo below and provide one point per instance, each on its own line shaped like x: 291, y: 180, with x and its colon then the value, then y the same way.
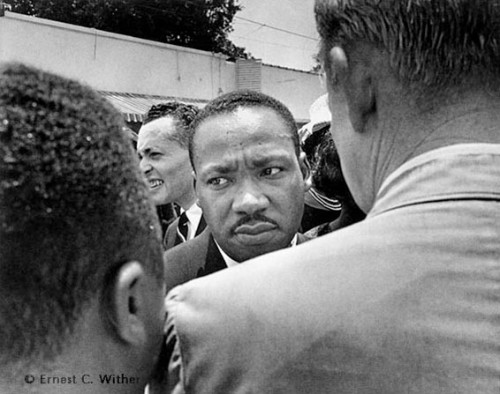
x: 407, y: 301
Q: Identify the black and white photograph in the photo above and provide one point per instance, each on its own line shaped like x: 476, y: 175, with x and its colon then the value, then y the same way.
x: 249, y: 196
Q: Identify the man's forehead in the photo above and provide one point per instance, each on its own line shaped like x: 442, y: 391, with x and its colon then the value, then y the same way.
x: 256, y: 157
x: 155, y: 131
x: 248, y: 113
x: 257, y: 115
x: 243, y: 120
x: 253, y: 130
x: 218, y: 140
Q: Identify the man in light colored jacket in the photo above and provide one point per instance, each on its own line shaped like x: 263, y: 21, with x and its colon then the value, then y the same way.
x: 405, y: 301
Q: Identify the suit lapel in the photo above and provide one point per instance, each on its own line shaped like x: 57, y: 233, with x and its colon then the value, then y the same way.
x: 201, y: 226
x: 170, y: 235
x: 215, y: 262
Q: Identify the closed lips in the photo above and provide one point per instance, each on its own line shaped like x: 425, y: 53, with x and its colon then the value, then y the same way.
x: 254, y: 228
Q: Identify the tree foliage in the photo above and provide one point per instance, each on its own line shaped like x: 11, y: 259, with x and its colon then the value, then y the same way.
x: 200, y: 24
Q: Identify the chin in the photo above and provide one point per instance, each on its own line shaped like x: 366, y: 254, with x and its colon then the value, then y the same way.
x: 160, y: 201
x: 159, y: 196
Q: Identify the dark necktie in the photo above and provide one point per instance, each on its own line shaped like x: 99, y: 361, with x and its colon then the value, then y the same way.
x: 182, y: 229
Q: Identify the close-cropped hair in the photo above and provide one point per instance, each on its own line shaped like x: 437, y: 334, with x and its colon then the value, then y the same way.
x: 182, y: 113
x: 434, y: 45
x: 73, y: 210
x: 230, y: 102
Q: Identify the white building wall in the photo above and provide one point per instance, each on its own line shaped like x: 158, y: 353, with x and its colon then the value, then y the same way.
x: 114, y: 62
x: 297, y: 89
x: 118, y: 63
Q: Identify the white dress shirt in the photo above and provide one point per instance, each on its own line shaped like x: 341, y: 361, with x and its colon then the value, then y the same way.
x: 193, y: 214
x: 231, y: 262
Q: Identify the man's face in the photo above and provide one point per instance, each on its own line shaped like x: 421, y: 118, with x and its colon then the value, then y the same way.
x: 249, y: 181
x: 164, y: 162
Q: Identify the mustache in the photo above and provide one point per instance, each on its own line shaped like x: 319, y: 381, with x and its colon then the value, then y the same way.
x: 254, y: 217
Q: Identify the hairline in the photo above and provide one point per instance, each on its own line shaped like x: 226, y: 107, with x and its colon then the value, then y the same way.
x: 232, y: 110
x: 170, y: 136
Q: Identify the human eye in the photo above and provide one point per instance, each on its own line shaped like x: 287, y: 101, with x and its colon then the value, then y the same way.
x: 154, y: 154
x: 271, y: 171
x: 217, y: 182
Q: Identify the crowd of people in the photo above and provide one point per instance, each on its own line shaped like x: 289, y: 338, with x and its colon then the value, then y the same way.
x: 358, y: 256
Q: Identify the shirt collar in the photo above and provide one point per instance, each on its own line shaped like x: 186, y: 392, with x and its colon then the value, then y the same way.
x: 231, y: 262
x: 453, y: 172
x: 194, y: 214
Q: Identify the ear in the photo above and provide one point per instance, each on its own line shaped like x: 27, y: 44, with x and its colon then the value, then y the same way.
x: 193, y: 174
x: 357, y: 79
x: 129, y: 302
x: 305, y: 168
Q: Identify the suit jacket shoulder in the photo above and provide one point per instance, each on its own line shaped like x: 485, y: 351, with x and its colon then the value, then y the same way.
x: 196, y: 258
x: 183, y: 261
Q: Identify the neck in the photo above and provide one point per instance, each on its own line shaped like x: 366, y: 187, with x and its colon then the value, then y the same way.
x: 187, y: 200
x: 475, y: 119
x: 78, y: 375
x: 92, y: 356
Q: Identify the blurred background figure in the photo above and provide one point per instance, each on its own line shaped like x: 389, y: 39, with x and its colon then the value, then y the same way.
x: 162, y: 146
x: 328, y: 182
x: 318, y: 208
x: 328, y: 204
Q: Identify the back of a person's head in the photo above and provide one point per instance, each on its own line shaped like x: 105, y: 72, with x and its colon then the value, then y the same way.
x: 230, y: 102
x: 73, y: 208
x: 435, y: 46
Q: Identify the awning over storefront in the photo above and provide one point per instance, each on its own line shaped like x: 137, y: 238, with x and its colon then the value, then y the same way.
x: 134, y: 106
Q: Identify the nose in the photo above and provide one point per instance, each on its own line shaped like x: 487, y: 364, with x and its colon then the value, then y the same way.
x: 144, y: 165
x: 250, y: 198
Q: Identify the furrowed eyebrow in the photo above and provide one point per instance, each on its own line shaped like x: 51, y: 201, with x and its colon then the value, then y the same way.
x: 257, y: 162
x: 263, y: 161
x: 219, y: 168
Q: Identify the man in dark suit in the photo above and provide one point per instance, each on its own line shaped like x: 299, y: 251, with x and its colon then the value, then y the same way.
x: 250, y: 180
x: 162, y: 146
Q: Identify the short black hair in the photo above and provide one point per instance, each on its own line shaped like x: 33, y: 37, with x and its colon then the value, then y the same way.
x: 230, y: 102
x: 435, y: 46
x: 183, y: 115
x: 73, y: 209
